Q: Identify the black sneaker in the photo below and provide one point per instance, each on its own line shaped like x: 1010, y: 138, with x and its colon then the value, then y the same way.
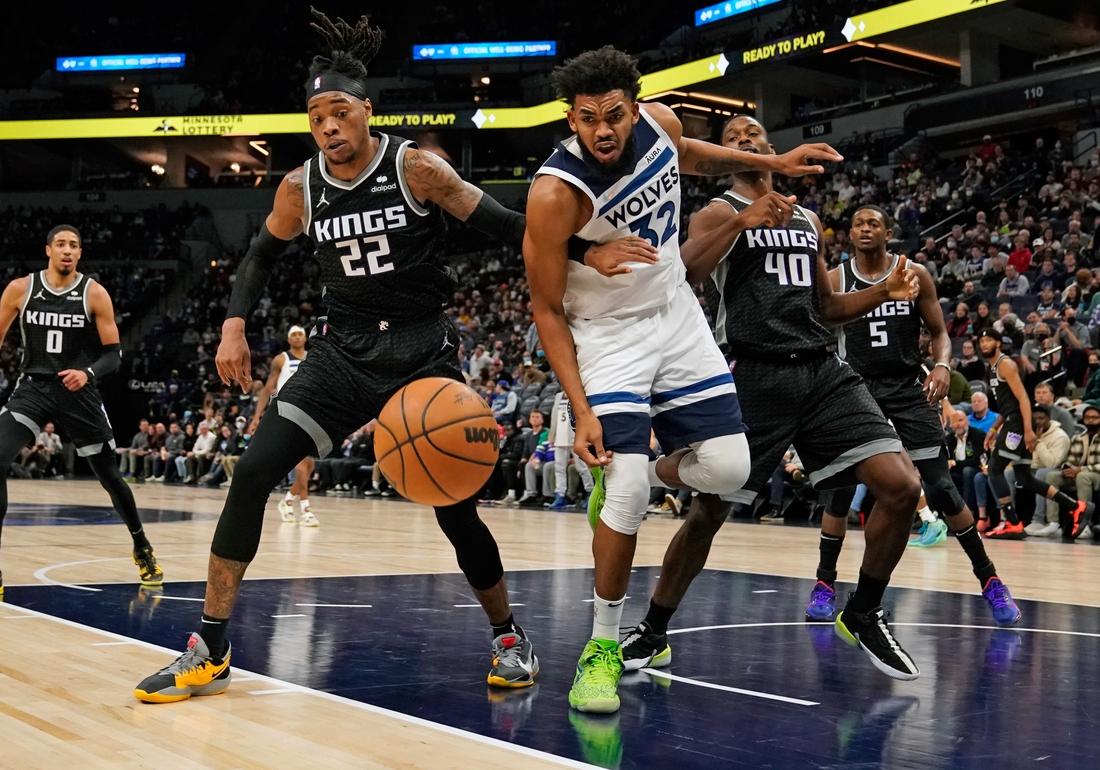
x: 870, y: 632
x: 644, y: 648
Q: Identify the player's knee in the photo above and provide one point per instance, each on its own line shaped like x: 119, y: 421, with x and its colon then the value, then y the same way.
x: 718, y: 466
x: 944, y: 497
x: 627, y: 493
x: 476, y: 550
x: 707, y: 514
x: 899, y: 491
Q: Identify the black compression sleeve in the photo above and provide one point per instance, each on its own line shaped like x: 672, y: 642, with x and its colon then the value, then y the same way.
x: 493, y: 219
x: 578, y: 247
x: 255, y: 271
x: 109, y: 362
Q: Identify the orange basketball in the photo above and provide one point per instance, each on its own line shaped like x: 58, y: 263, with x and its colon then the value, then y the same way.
x: 436, y: 442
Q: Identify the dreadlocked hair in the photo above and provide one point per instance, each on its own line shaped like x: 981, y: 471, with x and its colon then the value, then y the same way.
x: 351, y: 48
x: 598, y: 72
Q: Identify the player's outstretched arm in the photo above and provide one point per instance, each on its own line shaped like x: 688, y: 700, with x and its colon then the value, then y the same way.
x: 713, y: 230
x: 283, y: 225
x: 432, y: 179
x: 938, y: 381
x: 11, y: 302
x: 103, y: 311
x: 553, y: 212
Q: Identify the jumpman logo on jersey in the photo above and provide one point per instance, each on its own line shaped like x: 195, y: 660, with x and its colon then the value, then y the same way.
x: 446, y: 342
x: 40, y: 295
x: 321, y: 201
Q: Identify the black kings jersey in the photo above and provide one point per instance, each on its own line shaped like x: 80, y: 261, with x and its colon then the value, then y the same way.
x: 378, y: 247
x: 58, y: 331
x: 768, y: 305
x: 885, y: 343
x: 1005, y: 402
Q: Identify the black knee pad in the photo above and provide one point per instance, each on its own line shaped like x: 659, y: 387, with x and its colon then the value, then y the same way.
x: 841, y: 502
x: 940, y: 491
x: 477, y: 552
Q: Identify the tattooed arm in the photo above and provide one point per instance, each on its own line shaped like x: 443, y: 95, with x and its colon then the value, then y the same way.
x: 288, y: 215
x: 709, y: 159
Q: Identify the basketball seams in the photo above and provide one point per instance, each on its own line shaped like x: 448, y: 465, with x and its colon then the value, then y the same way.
x: 396, y: 447
x: 442, y: 451
x: 427, y: 435
x: 419, y: 459
x: 468, y: 418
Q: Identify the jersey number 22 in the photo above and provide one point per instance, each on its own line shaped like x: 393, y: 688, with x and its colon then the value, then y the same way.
x: 378, y: 246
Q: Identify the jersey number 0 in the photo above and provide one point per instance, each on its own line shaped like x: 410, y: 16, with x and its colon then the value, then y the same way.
x: 378, y: 246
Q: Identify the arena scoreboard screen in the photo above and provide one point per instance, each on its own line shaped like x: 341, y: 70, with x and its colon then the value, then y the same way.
x: 453, y: 51
x: 132, y: 61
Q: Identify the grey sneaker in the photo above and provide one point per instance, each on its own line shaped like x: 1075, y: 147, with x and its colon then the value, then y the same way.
x: 196, y: 672
x: 514, y: 662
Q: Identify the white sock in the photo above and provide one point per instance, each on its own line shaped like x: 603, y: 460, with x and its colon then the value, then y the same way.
x: 606, y: 617
x: 926, y: 515
x: 654, y: 479
x: 289, y: 498
x: 304, y: 505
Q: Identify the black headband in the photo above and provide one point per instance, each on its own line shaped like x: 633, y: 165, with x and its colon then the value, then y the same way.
x: 334, y: 81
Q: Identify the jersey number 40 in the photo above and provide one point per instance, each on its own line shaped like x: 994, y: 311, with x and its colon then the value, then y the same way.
x: 792, y: 269
x: 377, y: 246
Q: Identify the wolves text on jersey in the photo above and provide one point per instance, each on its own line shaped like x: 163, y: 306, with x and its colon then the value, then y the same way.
x: 379, y: 220
x: 643, y: 200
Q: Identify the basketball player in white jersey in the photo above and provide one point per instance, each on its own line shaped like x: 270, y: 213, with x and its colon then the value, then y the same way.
x: 632, y: 351
x: 283, y: 367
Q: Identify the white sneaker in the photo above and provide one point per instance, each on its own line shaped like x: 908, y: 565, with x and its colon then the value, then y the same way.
x: 1049, y: 530
x: 157, y: 478
x: 1085, y: 533
x: 1035, y: 527
x: 307, y: 519
x: 286, y: 511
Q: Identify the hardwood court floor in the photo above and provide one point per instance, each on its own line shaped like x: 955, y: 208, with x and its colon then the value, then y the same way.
x: 65, y: 688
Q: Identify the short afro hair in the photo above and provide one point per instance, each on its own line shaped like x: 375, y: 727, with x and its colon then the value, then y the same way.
x: 886, y: 218
x: 64, y: 229
x: 598, y: 72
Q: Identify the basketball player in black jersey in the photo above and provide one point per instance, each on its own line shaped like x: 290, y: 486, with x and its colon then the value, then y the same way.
x: 373, y: 205
x: 764, y: 256
x: 884, y: 348
x: 69, y: 341
x: 1012, y: 440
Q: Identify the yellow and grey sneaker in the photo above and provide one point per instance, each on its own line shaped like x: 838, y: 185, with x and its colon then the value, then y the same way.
x: 150, y: 571
x: 597, y: 681
x: 643, y: 647
x: 196, y: 672
x: 307, y: 519
x: 514, y: 662
x: 596, y: 497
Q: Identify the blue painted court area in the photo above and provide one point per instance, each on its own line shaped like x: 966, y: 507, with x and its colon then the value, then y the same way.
x: 50, y: 514
x: 753, y: 686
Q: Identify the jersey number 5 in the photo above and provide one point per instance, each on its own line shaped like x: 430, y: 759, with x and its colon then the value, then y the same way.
x: 379, y: 246
x: 878, y: 334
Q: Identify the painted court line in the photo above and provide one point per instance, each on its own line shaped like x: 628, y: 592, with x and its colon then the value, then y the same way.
x: 724, y: 688
x: 408, y: 718
x: 296, y: 615
x: 109, y: 644
x: 331, y: 605
x: 478, y: 605
x: 271, y: 692
x: 767, y: 591
x: 1091, y: 635
x: 183, y: 598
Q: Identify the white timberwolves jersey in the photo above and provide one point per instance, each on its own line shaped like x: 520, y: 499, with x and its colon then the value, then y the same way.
x: 290, y: 366
x: 644, y: 202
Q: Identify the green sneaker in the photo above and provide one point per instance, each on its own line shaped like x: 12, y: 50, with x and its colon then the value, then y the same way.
x: 933, y: 533
x: 598, y: 672
x: 596, y: 497
x: 600, y: 738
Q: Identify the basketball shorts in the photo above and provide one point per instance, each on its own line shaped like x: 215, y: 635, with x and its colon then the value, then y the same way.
x: 1010, y: 442
x: 39, y: 399
x: 659, y: 369
x: 916, y: 421
x: 349, y: 375
x: 820, y: 406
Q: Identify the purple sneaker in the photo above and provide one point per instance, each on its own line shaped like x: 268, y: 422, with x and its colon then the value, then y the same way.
x: 1005, y: 611
x: 822, y: 606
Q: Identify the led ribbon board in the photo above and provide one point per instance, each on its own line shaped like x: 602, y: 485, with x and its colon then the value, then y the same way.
x: 719, y: 11
x: 902, y: 15
x: 139, y: 61
x: 453, y: 51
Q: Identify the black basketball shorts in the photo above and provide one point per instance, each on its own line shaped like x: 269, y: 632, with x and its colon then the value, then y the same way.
x: 39, y: 399
x: 348, y: 376
x: 916, y: 421
x: 822, y: 407
x: 1010, y: 446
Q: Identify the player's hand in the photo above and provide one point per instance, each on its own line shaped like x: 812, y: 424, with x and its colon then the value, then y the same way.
x: 588, y: 442
x: 937, y: 383
x: 73, y: 379
x: 234, y: 359
x: 252, y: 427
x: 609, y: 258
x: 799, y: 161
x: 990, y: 440
x: 772, y: 210
x: 1030, y: 439
x: 902, y: 283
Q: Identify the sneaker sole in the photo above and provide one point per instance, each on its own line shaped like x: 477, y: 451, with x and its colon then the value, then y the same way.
x: 596, y: 705
x: 1011, y: 623
x: 499, y: 681
x: 150, y: 583
x: 215, y: 687
x: 309, y: 524
x: 828, y: 619
x: 843, y: 632
x: 659, y: 660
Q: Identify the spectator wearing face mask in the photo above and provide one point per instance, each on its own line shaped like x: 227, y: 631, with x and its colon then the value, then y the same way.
x: 1081, y: 474
x: 1074, y: 338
